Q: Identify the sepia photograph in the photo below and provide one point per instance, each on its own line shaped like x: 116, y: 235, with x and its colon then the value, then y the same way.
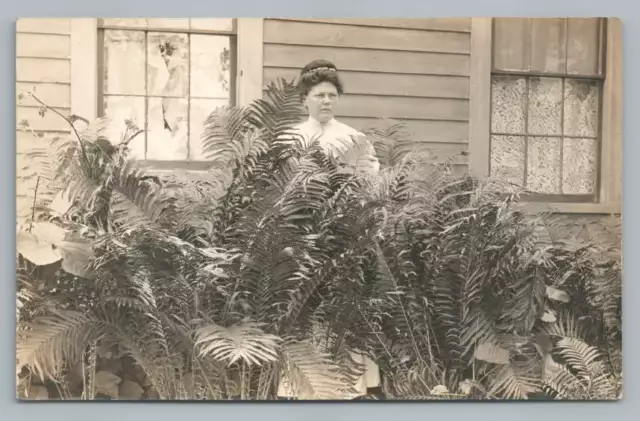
x: 305, y: 209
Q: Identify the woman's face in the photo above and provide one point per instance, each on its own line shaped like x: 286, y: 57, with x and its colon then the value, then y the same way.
x: 322, y: 101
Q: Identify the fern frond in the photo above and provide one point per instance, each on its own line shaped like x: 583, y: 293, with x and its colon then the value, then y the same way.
x: 309, y: 374
x: 564, y: 385
x: 53, y: 341
x: 566, y: 325
x: 510, y: 384
x: 579, y: 355
x: 246, y: 342
x: 46, y: 161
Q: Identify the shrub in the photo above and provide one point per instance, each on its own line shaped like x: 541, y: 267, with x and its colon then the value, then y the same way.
x: 276, y: 264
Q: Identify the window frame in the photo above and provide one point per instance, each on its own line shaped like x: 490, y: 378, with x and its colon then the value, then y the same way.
x: 86, y: 52
x: 608, y: 196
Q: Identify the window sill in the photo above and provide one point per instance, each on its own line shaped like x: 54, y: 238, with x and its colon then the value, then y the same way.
x: 571, y: 208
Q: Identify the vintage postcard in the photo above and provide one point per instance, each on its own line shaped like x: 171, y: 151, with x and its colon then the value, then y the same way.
x: 318, y: 209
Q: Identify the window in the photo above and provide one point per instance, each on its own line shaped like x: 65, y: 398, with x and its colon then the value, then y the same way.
x: 167, y: 76
x: 546, y: 99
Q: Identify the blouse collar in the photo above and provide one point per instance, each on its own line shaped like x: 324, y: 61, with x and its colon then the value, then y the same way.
x: 319, y: 126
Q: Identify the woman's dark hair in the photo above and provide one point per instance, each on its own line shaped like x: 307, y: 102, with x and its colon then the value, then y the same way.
x: 316, y: 72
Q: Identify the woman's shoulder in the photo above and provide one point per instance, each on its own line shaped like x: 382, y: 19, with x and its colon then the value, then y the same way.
x: 348, y: 130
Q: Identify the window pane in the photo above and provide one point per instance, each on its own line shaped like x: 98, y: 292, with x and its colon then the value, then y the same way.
x: 212, y: 24
x: 121, y: 108
x: 581, y: 108
x: 210, y: 66
x: 200, y: 110
x: 168, y: 64
x: 167, y: 125
x: 579, y: 166
x: 545, y: 106
x: 507, y: 159
x: 543, y: 165
x: 508, y: 104
x: 124, y: 62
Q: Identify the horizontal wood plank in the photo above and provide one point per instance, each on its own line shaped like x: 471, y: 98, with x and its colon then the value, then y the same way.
x: 403, y: 107
x: 331, y: 35
x: 43, y: 45
x: 44, y: 25
x: 431, y: 24
x: 456, y: 153
x: 50, y: 121
x: 52, y: 94
x: 293, y: 56
x: 388, y: 83
x: 26, y: 141
x: 460, y: 169
x: 425, y: 130
x: 43, y: 70
x: 440, y: 152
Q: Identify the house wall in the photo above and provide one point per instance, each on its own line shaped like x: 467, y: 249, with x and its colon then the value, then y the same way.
x: 412, y: 70
x: 43, y: 65
x: 418, y: 71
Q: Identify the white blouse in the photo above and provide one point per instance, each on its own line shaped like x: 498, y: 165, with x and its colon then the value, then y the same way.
x: 338, y: 139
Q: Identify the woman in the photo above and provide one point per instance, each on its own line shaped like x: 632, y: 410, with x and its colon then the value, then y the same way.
x: 320, y: 89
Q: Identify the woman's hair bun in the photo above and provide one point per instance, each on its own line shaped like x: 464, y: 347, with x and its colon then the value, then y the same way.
x: 316, y: 72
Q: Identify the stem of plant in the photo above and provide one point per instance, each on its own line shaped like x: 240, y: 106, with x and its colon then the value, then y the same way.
x: 33, y: 207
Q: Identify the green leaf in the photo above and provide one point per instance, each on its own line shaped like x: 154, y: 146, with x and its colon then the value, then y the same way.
x: 53, y: 341
x: 548, y: 317
x: 491, y: 353
x: 49, y: 232
x: 509, y: 384
x: 36, y: 250
x: 76, y: 257
x: 245, y: 342
x: 558, y: 295
x: 107, y: 383
x: 310, y: 374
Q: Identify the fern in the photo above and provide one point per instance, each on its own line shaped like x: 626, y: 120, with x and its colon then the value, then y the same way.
x: 511, y: 383
x: 270, y: 268
x: 247, y: 343
x: 53, y: 341
x: 311, y: 374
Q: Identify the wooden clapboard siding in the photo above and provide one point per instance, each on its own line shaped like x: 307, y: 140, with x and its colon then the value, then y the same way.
x: 60, y: 26
x: 333, y: 35
x: 43, y: 70
x: 415, y: 71
x: 53, y: 94
x: 43, y: 45
x: 432, y: 131
x: 379, y: 61
x: 43, y: 66
x: 50, y: 121
x: 369, y: 83
x: 434, y: 24
x: 383, y: 106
